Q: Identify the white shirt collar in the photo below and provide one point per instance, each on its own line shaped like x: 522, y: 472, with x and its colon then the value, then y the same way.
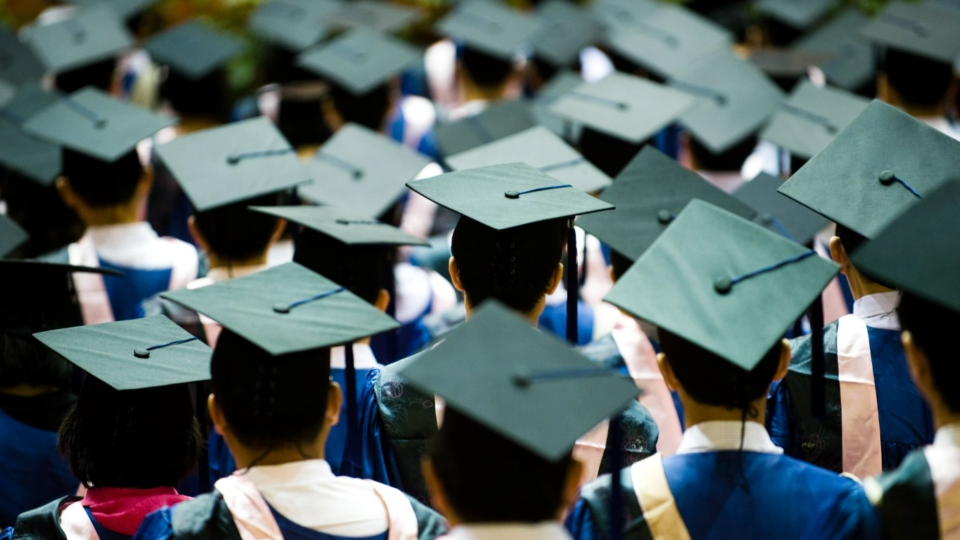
x: 221, y: 273
x: 948, y: 435
x: 363, y: 357
x: 721, y: 435
x: 548, y: 530
x: 121, y: 233
x: 296, y: 472
x: 879, y: 310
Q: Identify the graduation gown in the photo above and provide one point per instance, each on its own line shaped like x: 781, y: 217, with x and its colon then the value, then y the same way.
x: 875, y: 415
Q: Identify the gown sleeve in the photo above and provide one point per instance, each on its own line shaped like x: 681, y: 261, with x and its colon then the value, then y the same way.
x: 157, y: 525
x: 581, y: 523
x: 366, y: 456
x: 430, y: 524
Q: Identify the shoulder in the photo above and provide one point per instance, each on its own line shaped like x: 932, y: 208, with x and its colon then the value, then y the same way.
x: 403, y: 409
x: 206, y: 516
x: 590, y: 517
x: 430, y: 524
x: 43, y: 522
x: 801, y: 348
x: 906, y: 499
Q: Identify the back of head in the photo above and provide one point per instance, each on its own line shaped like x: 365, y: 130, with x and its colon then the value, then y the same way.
x: 98, y: 75
x: 235, y: 233
x: 369, y: 110
x: 203, y: 97
x: 363, y: 269
x: 270, y: 402
x: 730, y: 160
x: 514, y: 266
x: 490, y: 479
x: 932, y: 327
x: 484, y: 70
x: 620, y: 263
x: 100, y: 183
x: 609, y: 154
x: 301, y: 122
x: 41, y: 211
x: 918, y: 81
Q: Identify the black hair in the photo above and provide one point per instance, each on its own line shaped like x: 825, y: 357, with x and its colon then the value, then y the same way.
x: 205, y: 96
x: 730, y: 160
x: 41, y: 212
x: 301, y: 122
x: 23, y: 360
x: 474, y: 463
x: 133, y: 438
x: 850, y: 239
x: 98, y: 75
x: 609, y: 154
x: 919, y: 81
x: 932, y: 326
x: 484, y: 70
x: 513, y: 265
x: 270, y: 402
x: 363, y: 269
x: 236, y: 233
x: 369, y: 110
x: 99, y: 183
x: 620, y: 264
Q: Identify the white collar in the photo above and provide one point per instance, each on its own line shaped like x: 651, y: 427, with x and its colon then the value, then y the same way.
x: 363, y: 357
x: 134, y: 233
x: 721, y: 435
x: 226, y: 273
x: 296, y: 472
x: 548, y: 530
x: 879, y: 310
x: 948, y: 435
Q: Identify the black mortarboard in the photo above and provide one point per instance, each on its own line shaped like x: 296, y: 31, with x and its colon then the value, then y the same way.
x: 734, y: 100
x: 360, y: 59
x: 293, y: 24
x: 123, y: 8
x: 565, y: 30
x: 345, y: 226
x: 799, y: 14
x: 11, y: 235
x: 361, y: 171
x: 494, y: 123
x: 534, y: 377
x: 18, y: 64
x: 287, y: 309
x: 92, y: 123
x: 491, y: 28
x: 778, y: 212
x: 923, y: 29
x: 20, y: 151
x: 374, y: 15
x: 194, y: 49
x: 851, y: 63
x: 650, y: 192
x: 811, y: 117
x: 92, y: 34
x: 723, y: 283
x: 918, y: 252
x: 880, y: 165
x: 623, y: 106
x: 232, y: 163
x: 541, y: 149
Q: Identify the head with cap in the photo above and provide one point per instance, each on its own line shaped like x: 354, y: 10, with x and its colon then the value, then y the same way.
x: 845, y: 242
x: 232, y: 235
x: 609, y: 154
x: 730, y: 160
x: 41, y: 212
x: 363, y: 269
x: 919, y: 84
x: 98, y: 75
x: 200, y: 98
x: 369, y: 109
x: 103, y: 192
x: 483, y: 76
x: 931, y: 353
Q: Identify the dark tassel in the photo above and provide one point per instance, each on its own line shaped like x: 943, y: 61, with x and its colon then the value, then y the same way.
x: 200, y: 395
x: 616, y: 491
x: 572, y: 286
x: 818, y: 366
x: 351, y: 379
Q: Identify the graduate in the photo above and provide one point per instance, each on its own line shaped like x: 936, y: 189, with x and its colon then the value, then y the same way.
x: 722, y: 291
x: 503, y: 468
x: 273, y: 402
x: 921, y: 498
x: 875, y: 414
x: 104, y: 181
x: 132, y: 435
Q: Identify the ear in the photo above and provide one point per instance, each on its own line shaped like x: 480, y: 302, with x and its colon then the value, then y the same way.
x: 613, y: 275
x: 437, y: 495
x: 571, y: 487
x: 839, y: 254
x: 669, y: 377
x: 556, y: 279
x: 383, y: 300
x: 785, y: 355
x: 331, y: 116
x: 278, y: 231
x: 146, y: 179
x: 454, y: 274
x: 197, y: 235
x: 919, y: 365
x: 216, y: 414
x: 66, y: 192
x: 334, y: 402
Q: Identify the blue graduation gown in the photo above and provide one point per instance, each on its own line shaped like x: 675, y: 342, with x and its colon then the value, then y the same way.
x: 554, y: 320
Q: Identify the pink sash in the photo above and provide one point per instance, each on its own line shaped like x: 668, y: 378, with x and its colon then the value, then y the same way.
x: 76, y: 523
x: 860, y: 415
x: 656, y: 500
x: 944, y: 462
x: 589, y: 451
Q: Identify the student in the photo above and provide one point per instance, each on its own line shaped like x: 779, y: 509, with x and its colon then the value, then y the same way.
x: 132, y: 435
x: 274, y: 403
x: 722, y: 292
x: 509, y: 471
x: 916, y: 252
x: 870, y: 426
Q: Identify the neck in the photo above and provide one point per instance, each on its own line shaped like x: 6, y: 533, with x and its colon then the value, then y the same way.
x: 860, y: 286
x: 474, y: 92
x: 246, y: 457
x: 26, y: 390
x: 109, y: 215
x: 193, y: 123
x: 532, y: 317
x: 942, y: 415
x: 695, y: 413
x: 222, y: 262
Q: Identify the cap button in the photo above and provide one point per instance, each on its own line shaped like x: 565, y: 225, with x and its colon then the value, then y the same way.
x: 141, y: 353
x: 233, y: 159
x: 722, y: 285
x: 521, y: 379
x: 664, y: 216
x: 887, y: 177
x: 511, y: 194
x: 281, y: 308
x: 766, y: 218
x: 357, y: 174
x: 100, y: 123
x: 342, y: 221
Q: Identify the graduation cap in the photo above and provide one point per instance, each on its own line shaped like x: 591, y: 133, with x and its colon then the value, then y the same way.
x: 617, y: 12
x: 923, y: 29
x: 194, y: 49
x: 31, y: 156
x: 11, y: 235
x: 18, y: 64
x: 917, y: 253
x: 851, y: 63
x: 124, y: 8
x: 232, y: 163
x: 881, y: 164
x: 650, y: 192
x: 374, y: 15
x: 666, y: 39
x: 780, y: 213
x: 562, y: 82
x: 734, y: 99
x: 799, y: 14
x: 490, y: 28
x: 92, y: 34
x: 534, y: 377
x: 541, y: 149
x: 293, y: 24
x: 345, y: 226
x: 786, y: 64
x: 361, y: 171
x: 811, y: 117
x: 360, y: 60
x: 92, y: 123
x: 494, y: 123
x: 623, y: 106
x: 565, y: 30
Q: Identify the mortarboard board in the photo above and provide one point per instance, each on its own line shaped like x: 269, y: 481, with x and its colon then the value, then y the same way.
x: 918, y: 251
x: 617, y: 12
x: 232, y: 163
x: 786, y: 64
x: 778, y: 212
x: 496, y: 353
x: 193, y: 48
x: 92, y: 123
x: 623, y: 106
x: 345, y: 226
x: 490, y: 28
x: 123, y: 8
x: 293, y: 24
x: 92, y: 34
x: 287, y: 309
x: 666, y: 39
x: 20, y: 151
x: 876, y: 168
x: 723, y: 283
x: 11, y: 235
x: 361, y: 171
x: 734, y: 100
x: 565, y: 30
x: 18, y: 64
x: 360, y: 59
x: 650, y: 192
x: 799, y: 14
x: 923, y: 29
x: 541, y: 149
x: 811, y: 117
x: 564, y: 81
x: 374, y: 15
x: 851, y: 63
x: 494, y: 123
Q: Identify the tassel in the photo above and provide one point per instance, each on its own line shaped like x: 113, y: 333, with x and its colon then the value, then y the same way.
x: 572, y: 286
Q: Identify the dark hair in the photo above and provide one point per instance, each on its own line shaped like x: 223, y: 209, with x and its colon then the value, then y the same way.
x: 131, y: 439
x: 850, y: 239
x: 363, y: 269
x: 301, y: 122
x: 39, y: 209
x: 205, y: 96
x: 932, y: 326
x: 369, y: 110
x: 101, y: 183
x: 919, y: 81
x: 236, y: 233
x: 513, y: 266
x: 730, y: 160
x: 712, y: 380
x: 23, y: 360
x: 484, y: 70
x: 609, y: 154
x: 620, y: 263
x: 474, y: 464
x: 269, y: 401
x: 98, y: 75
